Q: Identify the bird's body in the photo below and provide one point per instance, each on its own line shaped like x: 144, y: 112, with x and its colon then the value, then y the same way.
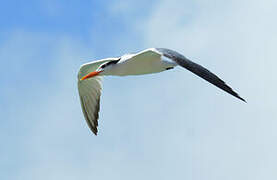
x: 146, y: 62
x: 149, y: 61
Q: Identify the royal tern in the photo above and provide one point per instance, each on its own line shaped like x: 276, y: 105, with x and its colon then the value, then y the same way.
x: 152, y: 60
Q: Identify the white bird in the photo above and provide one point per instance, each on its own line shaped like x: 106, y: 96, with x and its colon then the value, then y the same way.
x: 152, y: 60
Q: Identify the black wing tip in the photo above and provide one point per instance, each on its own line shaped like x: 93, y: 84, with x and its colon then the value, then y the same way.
x: 94, y: 130
x: 241, y: 99
x: 95, y: 133
x: 233, y: 93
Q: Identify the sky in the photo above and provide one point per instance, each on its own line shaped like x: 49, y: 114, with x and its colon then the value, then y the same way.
x: 171, y: 125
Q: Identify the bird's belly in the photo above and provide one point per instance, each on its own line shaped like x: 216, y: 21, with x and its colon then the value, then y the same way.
x: 141, y: 67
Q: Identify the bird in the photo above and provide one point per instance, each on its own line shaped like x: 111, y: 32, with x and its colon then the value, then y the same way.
x: 148, y: 61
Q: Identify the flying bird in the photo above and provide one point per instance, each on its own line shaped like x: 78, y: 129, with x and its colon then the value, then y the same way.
x: 152, y: 60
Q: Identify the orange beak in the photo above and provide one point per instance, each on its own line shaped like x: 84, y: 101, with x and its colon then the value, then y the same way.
x: 92, y: 74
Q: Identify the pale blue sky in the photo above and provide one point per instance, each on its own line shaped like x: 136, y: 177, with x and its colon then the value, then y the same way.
x: 171, y: 125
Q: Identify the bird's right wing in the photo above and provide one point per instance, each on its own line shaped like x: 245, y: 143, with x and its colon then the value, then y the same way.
x: 89, y: 92
x: 198, y: 70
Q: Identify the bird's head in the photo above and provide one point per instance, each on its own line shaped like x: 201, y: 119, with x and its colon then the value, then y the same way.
x: 91, y: 74
x: 101, y: 69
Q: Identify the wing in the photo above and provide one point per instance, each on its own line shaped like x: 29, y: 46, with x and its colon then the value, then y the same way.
x: 89, y: 92
x: 198, y: 70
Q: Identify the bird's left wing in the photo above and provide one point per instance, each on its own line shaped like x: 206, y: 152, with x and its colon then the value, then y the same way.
x: 198, y: 70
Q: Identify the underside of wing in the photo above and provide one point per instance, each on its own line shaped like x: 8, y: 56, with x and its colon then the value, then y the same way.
x: 198, y: 70
x: 89, y: 92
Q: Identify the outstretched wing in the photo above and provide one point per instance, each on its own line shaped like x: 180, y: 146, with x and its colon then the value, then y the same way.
x: 198, y: 70
x: 89, y: 92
